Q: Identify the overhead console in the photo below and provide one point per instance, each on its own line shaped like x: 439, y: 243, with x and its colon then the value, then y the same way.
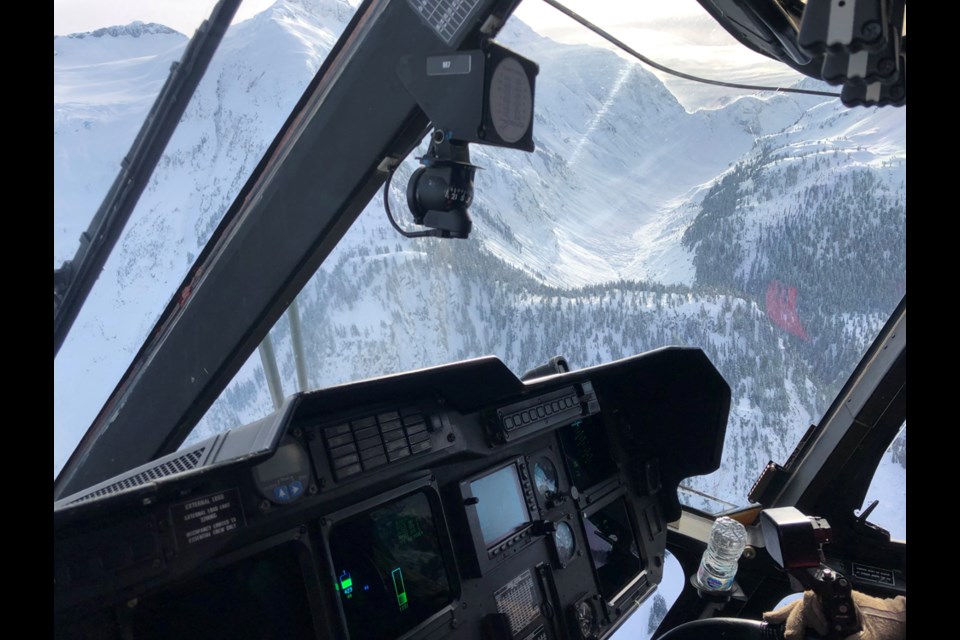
x: 455, y: 501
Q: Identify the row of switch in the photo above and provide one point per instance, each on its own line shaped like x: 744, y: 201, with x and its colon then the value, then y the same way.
x: 509, y: 542
x: 533, y: 414
x: 527, y: 488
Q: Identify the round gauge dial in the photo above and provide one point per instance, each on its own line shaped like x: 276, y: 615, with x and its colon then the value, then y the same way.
x: 284, y: 477
x: 545, y: 479
x: 566, y: 543
x: 586, y: 619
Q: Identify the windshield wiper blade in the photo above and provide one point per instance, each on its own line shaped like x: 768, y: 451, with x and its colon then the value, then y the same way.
x: 73, y: 281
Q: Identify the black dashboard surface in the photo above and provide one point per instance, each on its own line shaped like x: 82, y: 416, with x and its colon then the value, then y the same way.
x: 456, y: 501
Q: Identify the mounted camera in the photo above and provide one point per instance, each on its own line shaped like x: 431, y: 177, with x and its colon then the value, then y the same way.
x: 483, y: 96
x: 440, y: 192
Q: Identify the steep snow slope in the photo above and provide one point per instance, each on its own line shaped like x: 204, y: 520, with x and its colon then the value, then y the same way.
x: 103, y: 85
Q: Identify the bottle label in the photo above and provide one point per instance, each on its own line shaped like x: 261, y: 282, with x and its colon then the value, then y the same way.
x: 711, y: 581
x: 717, y: 585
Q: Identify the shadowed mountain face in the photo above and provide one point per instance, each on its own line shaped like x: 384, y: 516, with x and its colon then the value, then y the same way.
x: 770, y: 232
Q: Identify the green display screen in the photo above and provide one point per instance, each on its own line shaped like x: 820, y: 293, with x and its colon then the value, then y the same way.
x: 586, y: 450
x: 390, y: 573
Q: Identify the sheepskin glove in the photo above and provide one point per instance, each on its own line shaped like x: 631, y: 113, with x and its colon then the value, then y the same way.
x: 882, y: 619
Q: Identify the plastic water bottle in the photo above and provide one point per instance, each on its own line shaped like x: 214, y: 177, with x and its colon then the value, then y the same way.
x: 718, y: 567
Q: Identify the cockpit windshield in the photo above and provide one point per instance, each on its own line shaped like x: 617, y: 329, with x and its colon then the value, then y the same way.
x: 766, y: 228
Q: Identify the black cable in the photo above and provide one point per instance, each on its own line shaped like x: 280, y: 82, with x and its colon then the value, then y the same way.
x: 686, y: 76
x: 386, y: 205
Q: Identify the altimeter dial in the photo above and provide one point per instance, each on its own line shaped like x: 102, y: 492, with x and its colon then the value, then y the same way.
x: 545, y: 479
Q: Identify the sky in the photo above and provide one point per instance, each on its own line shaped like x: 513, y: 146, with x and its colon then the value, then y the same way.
x: 72, y: 16
x: 678, y: 33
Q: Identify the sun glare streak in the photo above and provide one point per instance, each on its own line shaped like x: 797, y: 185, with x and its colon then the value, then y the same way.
x: 601, y: 113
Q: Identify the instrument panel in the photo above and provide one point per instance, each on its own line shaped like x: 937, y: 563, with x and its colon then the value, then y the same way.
x: 448, y: 502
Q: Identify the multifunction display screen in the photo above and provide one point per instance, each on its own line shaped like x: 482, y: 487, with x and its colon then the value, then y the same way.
x: 501, y: 508
x: 261, y: 596
x: 587, y: 452
x: 613, y: 548
x: 390, y: 572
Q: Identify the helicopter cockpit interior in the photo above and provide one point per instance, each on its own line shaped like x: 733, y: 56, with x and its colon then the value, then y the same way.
x: 459, y: 500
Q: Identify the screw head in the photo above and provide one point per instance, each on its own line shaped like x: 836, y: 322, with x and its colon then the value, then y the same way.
x: 871, y: 30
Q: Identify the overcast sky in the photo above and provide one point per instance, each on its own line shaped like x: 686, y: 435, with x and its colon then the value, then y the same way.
x: 678, y: 33
x: 71, y: 16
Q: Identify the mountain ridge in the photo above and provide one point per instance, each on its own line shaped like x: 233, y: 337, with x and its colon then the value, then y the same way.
x: 135, y: 29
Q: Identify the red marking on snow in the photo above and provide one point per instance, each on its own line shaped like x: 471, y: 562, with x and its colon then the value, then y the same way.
x: 782, y: 308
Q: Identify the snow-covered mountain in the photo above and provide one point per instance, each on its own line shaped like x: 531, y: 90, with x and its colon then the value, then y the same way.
x: 634, y: 225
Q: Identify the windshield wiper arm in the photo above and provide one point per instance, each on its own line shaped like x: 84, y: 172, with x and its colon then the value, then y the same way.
x: 73, y: 281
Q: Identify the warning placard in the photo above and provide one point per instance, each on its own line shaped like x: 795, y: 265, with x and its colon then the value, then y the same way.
x: 204, y: 518
x: 516, y: 600
x: 873, y: 574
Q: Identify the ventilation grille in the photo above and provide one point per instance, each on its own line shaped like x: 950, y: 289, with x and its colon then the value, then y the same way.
x: 179, y: 464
